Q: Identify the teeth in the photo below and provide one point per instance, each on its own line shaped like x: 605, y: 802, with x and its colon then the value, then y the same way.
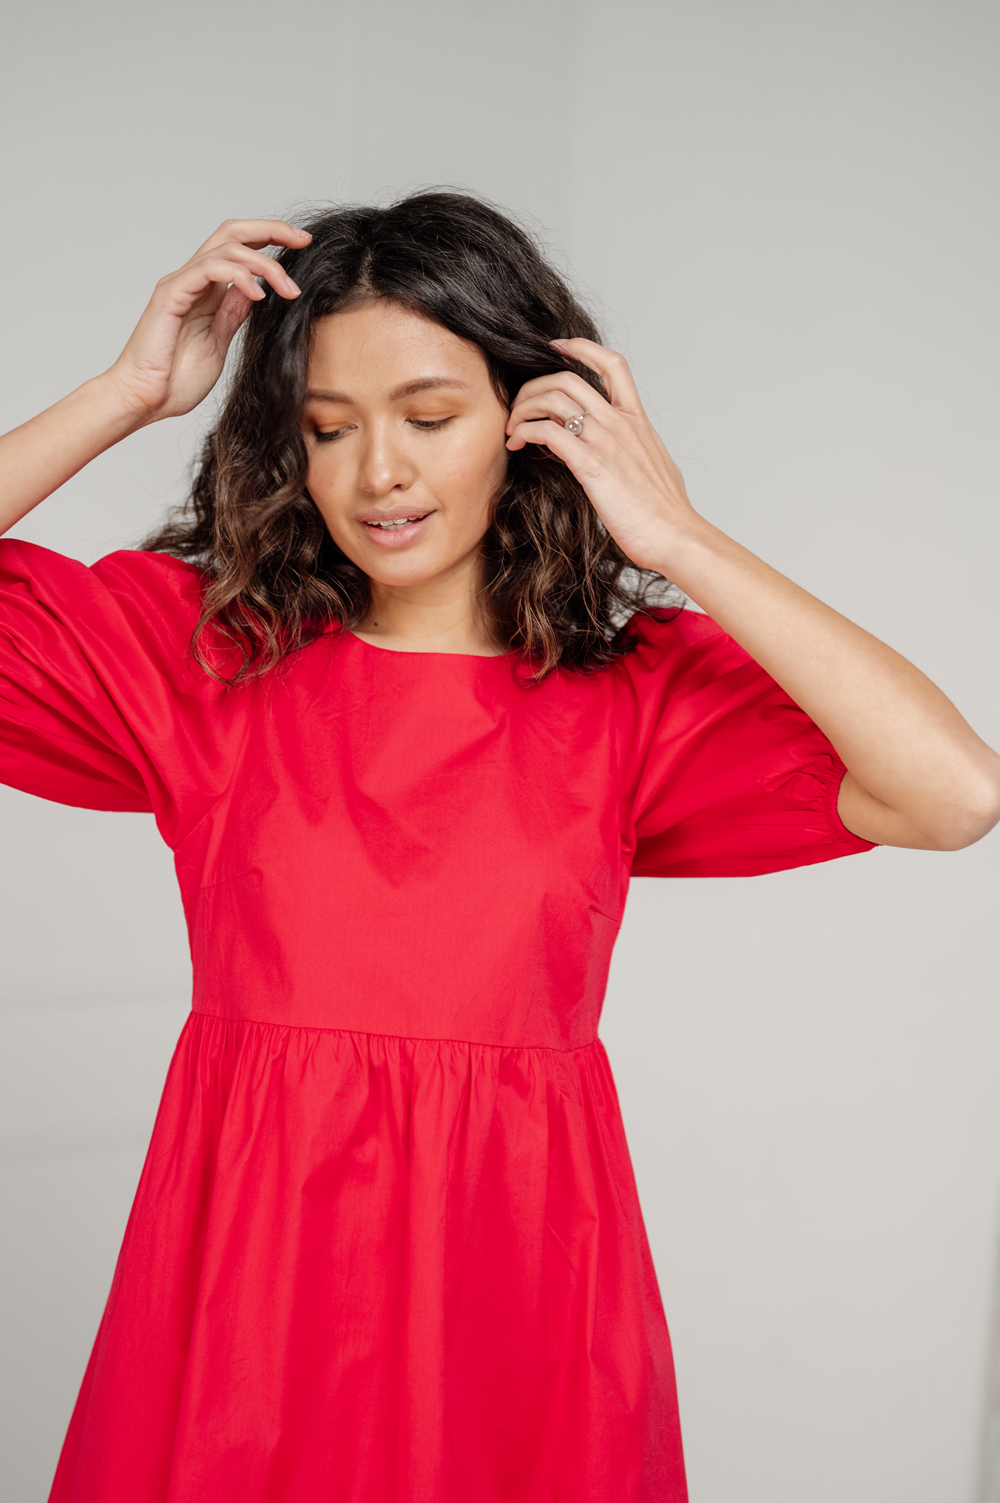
x: 402, y: 522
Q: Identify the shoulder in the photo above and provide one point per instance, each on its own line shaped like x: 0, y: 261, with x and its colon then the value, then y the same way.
x: 129, y: 611
x: 671, y: 628
x: 130, y: 574
x: 667, y: 642
x: 153, y: 602
x: 128, y: 579
x: 127, y: 570
x: 684, y: 664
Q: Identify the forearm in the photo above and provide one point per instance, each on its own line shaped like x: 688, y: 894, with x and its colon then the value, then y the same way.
x: 920, y: 776
x: 41, y: 455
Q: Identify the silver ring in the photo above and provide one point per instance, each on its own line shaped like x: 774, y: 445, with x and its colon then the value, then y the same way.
x: 574, y: 425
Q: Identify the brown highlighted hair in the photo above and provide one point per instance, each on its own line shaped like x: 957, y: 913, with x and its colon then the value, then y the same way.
x: 555, y: 583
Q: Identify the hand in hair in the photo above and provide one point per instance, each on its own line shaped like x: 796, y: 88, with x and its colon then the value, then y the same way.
x: 179, y: 346
x: 918, y: 775
x: 618, y: 458
x: 171, y: 362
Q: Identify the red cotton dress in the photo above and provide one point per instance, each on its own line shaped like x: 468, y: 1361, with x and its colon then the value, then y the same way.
x: 386, y: 1246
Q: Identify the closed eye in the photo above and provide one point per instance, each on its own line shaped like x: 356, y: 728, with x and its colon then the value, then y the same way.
x: 426, y: 425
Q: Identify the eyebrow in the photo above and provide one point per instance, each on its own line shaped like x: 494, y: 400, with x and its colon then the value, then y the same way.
x: 408, y: 389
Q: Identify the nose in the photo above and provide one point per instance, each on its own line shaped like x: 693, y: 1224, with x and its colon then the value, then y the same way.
x: 384, y: 465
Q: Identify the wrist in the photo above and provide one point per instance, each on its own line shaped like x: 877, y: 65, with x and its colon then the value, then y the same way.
x: 119, y: 408
x: 691, y: 552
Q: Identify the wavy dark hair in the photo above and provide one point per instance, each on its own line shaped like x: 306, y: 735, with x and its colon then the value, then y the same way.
x: 555, y: 583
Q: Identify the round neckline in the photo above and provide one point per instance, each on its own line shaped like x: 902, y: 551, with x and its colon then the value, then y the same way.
x: 410, y: 652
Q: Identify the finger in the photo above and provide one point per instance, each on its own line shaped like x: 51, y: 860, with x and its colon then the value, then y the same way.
x: 550, y: 404
x: 243, y: 279
x: 226, y: 273
x: 260, y: 265
x: 187, y: 286
x: 588, y: 399
x: 612, y: 368
x: 256, y: 233
x: 554, y: 436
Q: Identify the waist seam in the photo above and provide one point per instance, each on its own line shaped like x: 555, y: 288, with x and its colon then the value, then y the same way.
x: 403, y: 1038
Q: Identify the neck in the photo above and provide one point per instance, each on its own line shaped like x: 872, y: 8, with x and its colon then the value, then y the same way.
x: 436, y: 615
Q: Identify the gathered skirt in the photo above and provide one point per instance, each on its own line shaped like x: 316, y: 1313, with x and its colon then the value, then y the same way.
x: 369, y: 1269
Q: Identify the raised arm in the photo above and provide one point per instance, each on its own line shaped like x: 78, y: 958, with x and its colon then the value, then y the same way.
x: 171, y: 362
x: 918, y: 775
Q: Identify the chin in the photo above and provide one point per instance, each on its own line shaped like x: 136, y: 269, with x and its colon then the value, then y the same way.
x: 404, y: 569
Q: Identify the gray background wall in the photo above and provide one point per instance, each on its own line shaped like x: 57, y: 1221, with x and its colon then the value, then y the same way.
x: 788, y: 214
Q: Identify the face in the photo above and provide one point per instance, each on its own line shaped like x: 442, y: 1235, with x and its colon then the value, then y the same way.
x: 406, y: 442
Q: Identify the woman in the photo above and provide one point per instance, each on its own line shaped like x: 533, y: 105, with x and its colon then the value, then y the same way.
x: 394, y: 690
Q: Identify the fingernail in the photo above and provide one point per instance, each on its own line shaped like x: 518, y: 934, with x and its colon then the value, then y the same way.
x: 294, y: 286
x: 558, y: 341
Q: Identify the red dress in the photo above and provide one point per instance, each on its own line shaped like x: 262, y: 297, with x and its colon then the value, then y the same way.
x: 386, y: 1246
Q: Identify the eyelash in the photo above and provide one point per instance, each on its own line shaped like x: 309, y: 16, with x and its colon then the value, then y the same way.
x: 424, y: 427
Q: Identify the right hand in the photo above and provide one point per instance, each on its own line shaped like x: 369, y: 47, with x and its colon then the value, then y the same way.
x: 179, y: 346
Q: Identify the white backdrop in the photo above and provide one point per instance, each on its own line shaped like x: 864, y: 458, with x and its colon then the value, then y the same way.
x: 787, y: 216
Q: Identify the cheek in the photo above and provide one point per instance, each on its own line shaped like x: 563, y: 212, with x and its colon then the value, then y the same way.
x: 321, y: 474
x: 330, y: 487
x: 473, y: 471
x: 333, y: 500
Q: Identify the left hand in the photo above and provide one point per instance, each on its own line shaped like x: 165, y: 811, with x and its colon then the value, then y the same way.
x: 619, y: 458
x: 918, y: 775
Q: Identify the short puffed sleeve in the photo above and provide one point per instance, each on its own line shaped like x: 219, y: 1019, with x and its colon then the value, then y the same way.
x: 723, y: 774
x: 99, y: 693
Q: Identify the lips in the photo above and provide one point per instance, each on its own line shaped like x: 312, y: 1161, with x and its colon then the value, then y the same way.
x: 389, y: 530
x: 398, y: 522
